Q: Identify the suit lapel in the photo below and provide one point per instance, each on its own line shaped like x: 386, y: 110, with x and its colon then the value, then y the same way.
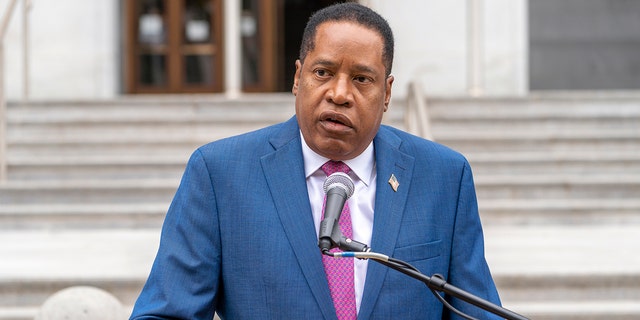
x: 389, y: 208
x: 284, y: 171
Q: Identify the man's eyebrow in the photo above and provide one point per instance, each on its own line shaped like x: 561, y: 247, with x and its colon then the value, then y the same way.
x: 325, y: 62
x: 358, y: 67
x: 364, y: 68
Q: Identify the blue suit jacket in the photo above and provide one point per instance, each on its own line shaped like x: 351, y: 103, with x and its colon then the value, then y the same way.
x: 239, y: 237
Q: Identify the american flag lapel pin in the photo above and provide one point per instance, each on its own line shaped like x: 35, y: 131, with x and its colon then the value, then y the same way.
x: 394, y: 183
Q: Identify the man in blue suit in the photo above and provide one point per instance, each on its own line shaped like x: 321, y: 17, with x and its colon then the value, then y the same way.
x: 240, y: 237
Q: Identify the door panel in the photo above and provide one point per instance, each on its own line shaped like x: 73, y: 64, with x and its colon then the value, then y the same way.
x: 260, y: 45
x: 174, y: 46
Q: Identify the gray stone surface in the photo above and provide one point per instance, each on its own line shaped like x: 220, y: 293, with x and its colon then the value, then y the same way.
x: 82, y: 303
x: 557, y: 176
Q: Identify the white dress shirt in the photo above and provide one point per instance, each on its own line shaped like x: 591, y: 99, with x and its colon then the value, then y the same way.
x: 361, y: 204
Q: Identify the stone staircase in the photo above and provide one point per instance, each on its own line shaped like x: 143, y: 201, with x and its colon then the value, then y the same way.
x: 558, y: 181
x: 89, y: 183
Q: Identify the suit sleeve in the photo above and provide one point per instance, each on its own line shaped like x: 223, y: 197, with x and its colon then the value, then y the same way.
x: 468, y: 268
x: 185, y: 277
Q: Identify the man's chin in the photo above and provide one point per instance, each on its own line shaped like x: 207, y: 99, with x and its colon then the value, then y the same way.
x: 334, y: 149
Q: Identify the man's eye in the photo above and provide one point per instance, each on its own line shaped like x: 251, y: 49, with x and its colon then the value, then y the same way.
x: 322, y: 73
x: 362, y: 79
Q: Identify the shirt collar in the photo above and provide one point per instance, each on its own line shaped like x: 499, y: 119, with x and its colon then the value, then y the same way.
x: 362, y: 165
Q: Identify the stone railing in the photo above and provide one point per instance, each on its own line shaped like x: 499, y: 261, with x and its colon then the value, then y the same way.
x: 417, y: 114
x: 4, y: 25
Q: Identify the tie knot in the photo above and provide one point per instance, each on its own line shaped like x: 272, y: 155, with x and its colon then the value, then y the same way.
x: 330, y: 167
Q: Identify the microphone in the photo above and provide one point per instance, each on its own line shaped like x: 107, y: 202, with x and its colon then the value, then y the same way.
x: 338, y: 188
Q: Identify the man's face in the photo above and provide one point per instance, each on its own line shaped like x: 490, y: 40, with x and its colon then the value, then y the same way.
x: 341, y: 90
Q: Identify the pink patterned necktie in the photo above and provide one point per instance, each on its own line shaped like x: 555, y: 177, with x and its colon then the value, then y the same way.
x: 340, y: 271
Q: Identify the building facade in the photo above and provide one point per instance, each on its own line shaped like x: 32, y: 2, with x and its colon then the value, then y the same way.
x: 102, y: 49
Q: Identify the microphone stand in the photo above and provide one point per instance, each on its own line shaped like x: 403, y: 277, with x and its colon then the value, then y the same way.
x: 435, y: 282
x: 330, y: 237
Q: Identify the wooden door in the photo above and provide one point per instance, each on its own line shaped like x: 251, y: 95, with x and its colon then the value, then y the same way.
x: 174, y: 46
x: 261, y: 45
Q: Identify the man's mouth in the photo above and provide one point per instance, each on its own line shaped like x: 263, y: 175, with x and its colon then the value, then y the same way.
x: 335, y: 120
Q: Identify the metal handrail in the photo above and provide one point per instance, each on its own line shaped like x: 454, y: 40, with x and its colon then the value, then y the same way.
x: 4, y: 24
x: 417, y: 118
x: 3, y: 100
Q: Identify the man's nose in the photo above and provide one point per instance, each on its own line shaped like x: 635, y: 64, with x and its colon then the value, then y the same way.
x: 341, y: 92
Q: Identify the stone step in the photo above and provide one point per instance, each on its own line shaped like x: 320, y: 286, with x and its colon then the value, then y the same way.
x: 50, y: 216
x: 565, y: 310
x: 621, y: 186
x: 485, y: 111
x: 151, y: 149
x: 98, y: 191
x: 540, y: 145
x: 85, y: 171
x: 595, y: 211
x: 98, y: 122
x: 107, y: 114
x: 163, y: 166
x: 123, y: 170
x: 70, y: 216
x: 170, y: 165
x: 510, y: 125
x: 29, y: 313
x: 488, y: 134
x: 81, y: 139
x: 18, y: 313
x: 145, y: 107
x: 537, y: 105
x: 200, y: 127
x: 581, y: 310
x: 132, y: 132
x: 468, y: 143
x: 250, y: 109
x: 247, y: 107
x: 538, y: 289
x: 584, y: 162
x: 94, y: 166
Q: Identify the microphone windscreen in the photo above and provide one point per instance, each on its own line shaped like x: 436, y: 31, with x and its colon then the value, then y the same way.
x: 341, y: 180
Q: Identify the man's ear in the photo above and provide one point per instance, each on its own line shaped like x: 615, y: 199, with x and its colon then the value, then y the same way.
x: 296, y: 78
x: 387, y: 93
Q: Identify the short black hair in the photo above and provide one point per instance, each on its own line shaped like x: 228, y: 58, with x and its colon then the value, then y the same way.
x: 350, y: 12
